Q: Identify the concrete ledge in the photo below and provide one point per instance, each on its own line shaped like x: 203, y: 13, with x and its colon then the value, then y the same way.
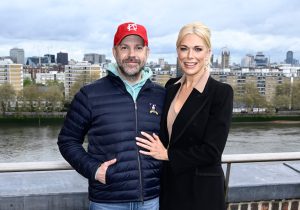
x: 57, y: 190
x: 263, y: 181
x: 51, y: 190
x: 72, y: 201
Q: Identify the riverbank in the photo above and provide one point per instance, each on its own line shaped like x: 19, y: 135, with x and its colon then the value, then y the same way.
x: 284, y: 119
x: 45, y: 118
x: 33, y: 118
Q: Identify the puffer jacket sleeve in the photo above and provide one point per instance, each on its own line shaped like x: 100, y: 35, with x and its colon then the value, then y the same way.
x: 71, y: 136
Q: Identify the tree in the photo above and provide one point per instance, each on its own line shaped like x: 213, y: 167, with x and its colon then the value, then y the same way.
x: 296, y: 95
x: 27, y: 82
x: 282, y: 98
x: 83, y: 79
x: 31, y: 94
x: 54, y: 97
x: 237, y: 96
x: 251, y: 97
x: 7, y: 94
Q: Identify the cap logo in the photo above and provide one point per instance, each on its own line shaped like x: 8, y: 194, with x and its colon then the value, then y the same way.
x: 132, y: 26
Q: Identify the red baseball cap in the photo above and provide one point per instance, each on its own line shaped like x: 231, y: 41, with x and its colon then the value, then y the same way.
x: 130, y: 28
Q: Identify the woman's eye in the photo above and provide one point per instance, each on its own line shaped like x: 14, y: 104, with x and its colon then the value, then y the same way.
x: 183, y: 49
x: 198, y: 49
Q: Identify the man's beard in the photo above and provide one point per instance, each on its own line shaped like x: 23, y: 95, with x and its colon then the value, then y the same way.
x: 128, y: 74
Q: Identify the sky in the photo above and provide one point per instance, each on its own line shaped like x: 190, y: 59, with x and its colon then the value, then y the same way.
x: 88, y: 26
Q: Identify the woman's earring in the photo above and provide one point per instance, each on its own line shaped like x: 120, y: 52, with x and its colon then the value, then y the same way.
x: 206, y: 65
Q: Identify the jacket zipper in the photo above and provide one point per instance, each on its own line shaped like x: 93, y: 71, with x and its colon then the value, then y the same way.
x: 138, y: 155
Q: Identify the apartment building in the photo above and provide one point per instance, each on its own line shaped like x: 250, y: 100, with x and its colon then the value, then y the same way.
x: 42, y: 78
x: 74, y: 71
x: 265, y: 80
x: 11, y: 73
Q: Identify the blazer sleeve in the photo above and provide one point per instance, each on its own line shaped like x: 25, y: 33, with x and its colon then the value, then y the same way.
x: 209, y: 151
x: 72, y: 134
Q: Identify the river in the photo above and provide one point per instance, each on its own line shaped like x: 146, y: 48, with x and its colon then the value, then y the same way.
x: 32, y: 143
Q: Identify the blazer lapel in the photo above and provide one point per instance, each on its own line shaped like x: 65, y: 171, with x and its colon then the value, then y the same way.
x: 193, y: 105
x: 171, y: 92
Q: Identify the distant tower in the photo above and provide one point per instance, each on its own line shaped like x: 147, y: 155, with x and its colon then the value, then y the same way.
x: 225, y: 58
x: 261, y: 60
x: 51, y: 58
x: 62, y: 58
x: 17, y: 55
x: 161, y: 62
x: 248, y: 61
x: 289, y: 57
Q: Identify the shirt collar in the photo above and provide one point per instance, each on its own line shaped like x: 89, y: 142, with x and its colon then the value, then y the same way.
x: 200, y: 85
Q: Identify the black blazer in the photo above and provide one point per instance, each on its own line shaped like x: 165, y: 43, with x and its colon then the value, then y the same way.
x: 193, y: 178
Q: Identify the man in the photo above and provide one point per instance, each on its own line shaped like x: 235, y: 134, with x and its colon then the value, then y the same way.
x: 112, y: 111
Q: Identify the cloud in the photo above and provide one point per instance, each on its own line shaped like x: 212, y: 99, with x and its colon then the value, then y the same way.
x: 76, y: 26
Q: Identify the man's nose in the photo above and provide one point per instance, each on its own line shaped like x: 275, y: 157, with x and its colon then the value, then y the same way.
x: 131, y: 52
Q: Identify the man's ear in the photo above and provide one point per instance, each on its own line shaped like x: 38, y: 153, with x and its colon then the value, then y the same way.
x: 114, y: 51
x: 147, y: 52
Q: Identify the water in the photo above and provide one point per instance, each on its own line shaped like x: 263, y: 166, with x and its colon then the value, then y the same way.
x: 32, y: 143
x: 263, y: 138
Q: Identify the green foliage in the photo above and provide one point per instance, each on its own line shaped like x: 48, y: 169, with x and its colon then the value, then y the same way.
x: 27, y: 82
x: 81, y: 80
x: 249, y: 96
x: 282, y: 98
x: 54, y: 98
x: 296, y: 95
x: 7, y: 94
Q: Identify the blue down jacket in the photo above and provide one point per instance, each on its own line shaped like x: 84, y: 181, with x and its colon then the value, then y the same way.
x: 107, y: 114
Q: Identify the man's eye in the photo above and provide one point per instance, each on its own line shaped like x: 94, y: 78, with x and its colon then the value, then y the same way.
x: 123, y: 48
x: 139, y: 48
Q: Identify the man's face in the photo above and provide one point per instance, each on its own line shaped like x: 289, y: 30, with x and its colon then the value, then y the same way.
x: 131, y: 56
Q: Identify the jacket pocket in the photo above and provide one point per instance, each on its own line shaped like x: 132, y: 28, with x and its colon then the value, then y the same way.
x: 108, y: 175
x: 110, y: 169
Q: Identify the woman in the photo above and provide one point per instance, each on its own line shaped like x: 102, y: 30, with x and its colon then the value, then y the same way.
x: 194, y: 129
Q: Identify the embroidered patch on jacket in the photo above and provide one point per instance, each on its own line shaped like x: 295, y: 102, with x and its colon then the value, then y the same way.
x: 153, y: 109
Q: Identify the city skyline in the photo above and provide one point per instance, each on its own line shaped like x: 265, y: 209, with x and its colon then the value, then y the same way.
x: 75, y: 27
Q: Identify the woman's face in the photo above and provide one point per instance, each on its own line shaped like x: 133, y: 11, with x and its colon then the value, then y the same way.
x: 193, y: 54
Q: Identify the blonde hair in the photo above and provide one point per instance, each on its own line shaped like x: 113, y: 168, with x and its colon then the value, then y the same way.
x: 198, y: 29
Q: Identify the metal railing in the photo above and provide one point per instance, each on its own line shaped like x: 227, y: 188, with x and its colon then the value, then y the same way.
x: 258, y: 157
x: 227, y: 159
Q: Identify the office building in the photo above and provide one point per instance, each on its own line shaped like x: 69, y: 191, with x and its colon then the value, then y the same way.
x: 37, y: 61
x: 248, y: 61
x: 17, y: 55
x: 62, y: 58
x: 261, y: 60
x: 51, y: 58
x: 94, y: 58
